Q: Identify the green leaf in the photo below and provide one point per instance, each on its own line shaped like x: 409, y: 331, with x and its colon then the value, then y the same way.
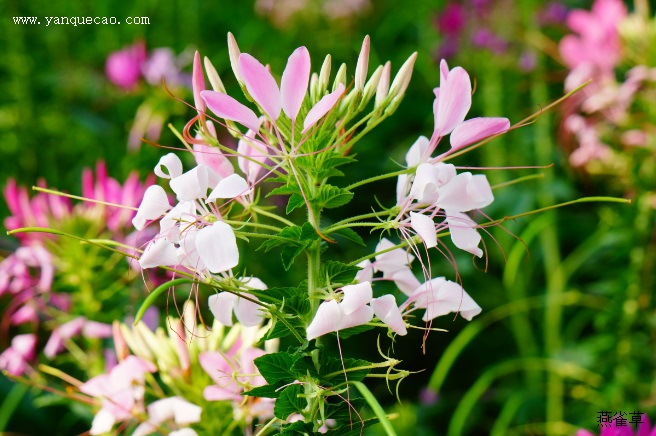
x: 295, y: 201
x: 280, y: 330
x: 284, y: 190
x: 338, y: 272
x: 276, y: 367
x: 289, y: 253
x: 303, y: 366
x: 296, y: 428
x: 332, y: 369
x: 349, y: 234
x: 353, y: 430
x: 330, y: 197
x: 266, y: 391
x: 308, y: 234
x: 289, y: 402
x: 347, y: 333
x: 342, y: 411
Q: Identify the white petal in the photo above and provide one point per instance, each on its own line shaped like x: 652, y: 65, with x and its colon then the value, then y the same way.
x: 391, y: 261
x: 102, y: 422
x: 230, y: 187
x: 387, y: 311
x: 194, y: 184
x: 159, y: 252
x: 221, y: 305
x: 402, y: 187
x: 184, y: 432
x: 248, y: 314
x: 465, y: 192
x: 425, y: 228
x: 183, y: 214
x: 355, y: 296
x: 405, y: 280
x: 187, y: 252
x: 217, y: 247
x: 253, y: 283
x: 154, y: 204
x: 428, y: 179
x: 172, y: 164
x: 463, y: 232
x: 361, y: 316
x: 176, y: 408
x: 417, y: 152
x: 366, y: 274
x: 451, y: 297
x: 325, y: 321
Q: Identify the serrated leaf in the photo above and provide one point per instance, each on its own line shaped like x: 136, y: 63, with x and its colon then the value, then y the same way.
x: 330, y: 197
x: 295, y: 201
x: 284, y: 190
x: 280, y: 330
x: 266, y: 391
x: 275, y: 367
x: 303, y: 366
x: 343, y: 411
x: 354, y: 429
x: 289, y: 402
x: 347, y: 333
x: 332, y: 369
x: 338, y: 272
x: 289, y: 253
x: 308, y: 234
x: 296, y: 428
x: 349, y: 234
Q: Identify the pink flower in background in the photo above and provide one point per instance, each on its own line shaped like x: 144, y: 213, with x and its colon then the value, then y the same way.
x: 622, y: 427
x: 15, y: 359
x: 123, y: 67
x: 452, y: 20
x: 597, y: 40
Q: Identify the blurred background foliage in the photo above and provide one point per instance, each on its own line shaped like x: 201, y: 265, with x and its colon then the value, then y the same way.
x: 568, y: 323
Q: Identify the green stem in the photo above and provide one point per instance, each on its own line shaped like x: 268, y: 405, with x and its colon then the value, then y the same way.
x: 358, y: 218
x: 238, y: 224
x: 381, y: 177
x: 264, y: 212
x: 376, y: 407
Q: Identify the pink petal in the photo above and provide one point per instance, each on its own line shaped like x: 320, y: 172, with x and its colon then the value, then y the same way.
x: 425, y: 228
x: 198, y: 83
x: 160, y: 252
x: 454, y: 101
x: 227, y: 107
x: 463, y: 232
x: 258, y: 153
x: 216, y: 365
x: 387, y: 311
x: 444, y: 72
x: 24, y: 345
x: 294, y: 83
x: 217, y: 247
x: 25, y: 314
x: 260, y: 85
x: 326, y: 320
x: 366, y: 274
x: 465, y: 192
x: 155, y: 203
x: 94, y: 329
x: 363, y: 64
x: 173, y: 166
x: 474, y: 130
x: 451, y: 298
x: 217, y: 393
x: 355, y: 296
x: 230, y: 187
x: 322, y: 107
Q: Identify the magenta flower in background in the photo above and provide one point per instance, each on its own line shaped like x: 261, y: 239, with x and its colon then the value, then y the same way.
x: 123, y: 67
x: 617, y: 427
x: 451, y: 21
x: 552, y: 13
x: 15, y: 359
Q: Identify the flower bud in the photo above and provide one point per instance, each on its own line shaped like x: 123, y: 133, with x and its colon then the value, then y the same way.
x: 324, y: 75
x: 370, y: 88
x: 402, y: 79
x: 233, y: 51
x: 122, y: 350
x: 340, y: 77
x: 363, y: 65
x: 315, y: 93
x: 383, y: 84
x: 213, y: 76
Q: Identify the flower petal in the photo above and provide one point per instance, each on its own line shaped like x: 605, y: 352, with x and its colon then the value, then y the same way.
x: 425, y: 228
x: 102, y: 423
x: 454, y: 101
x: 417, y: 152
x: 222, y: 305
x: 391, y: 261
x: 251, y: 154
x: 326, y: 320
x: 361, y: 316
x: 386, y: 309
x: 405, y: 280
x: 355, y: 296
x: 155, y: 203
x: 198, y: 83
x: 159, y: 252
x: 193, y: 184
x: 227, y: 107
x: 217, y: 247
x: 230, y: 187
x: 260, y: 85
x: 173, y: 166
x: 248, y: 314
x: 451, y: 297
x: 463, y: 232
x: 465, y: 192
x: 474, y: 130
x: 322, y: 107
x: 294, y: 82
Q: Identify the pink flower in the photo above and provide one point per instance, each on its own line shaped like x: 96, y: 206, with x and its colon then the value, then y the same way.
x: 597, y: 42
x: 65, y: 332
x: 121, y: 392
x: 15, y: 359
x: 123, y: 67
x: 174, y: 409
